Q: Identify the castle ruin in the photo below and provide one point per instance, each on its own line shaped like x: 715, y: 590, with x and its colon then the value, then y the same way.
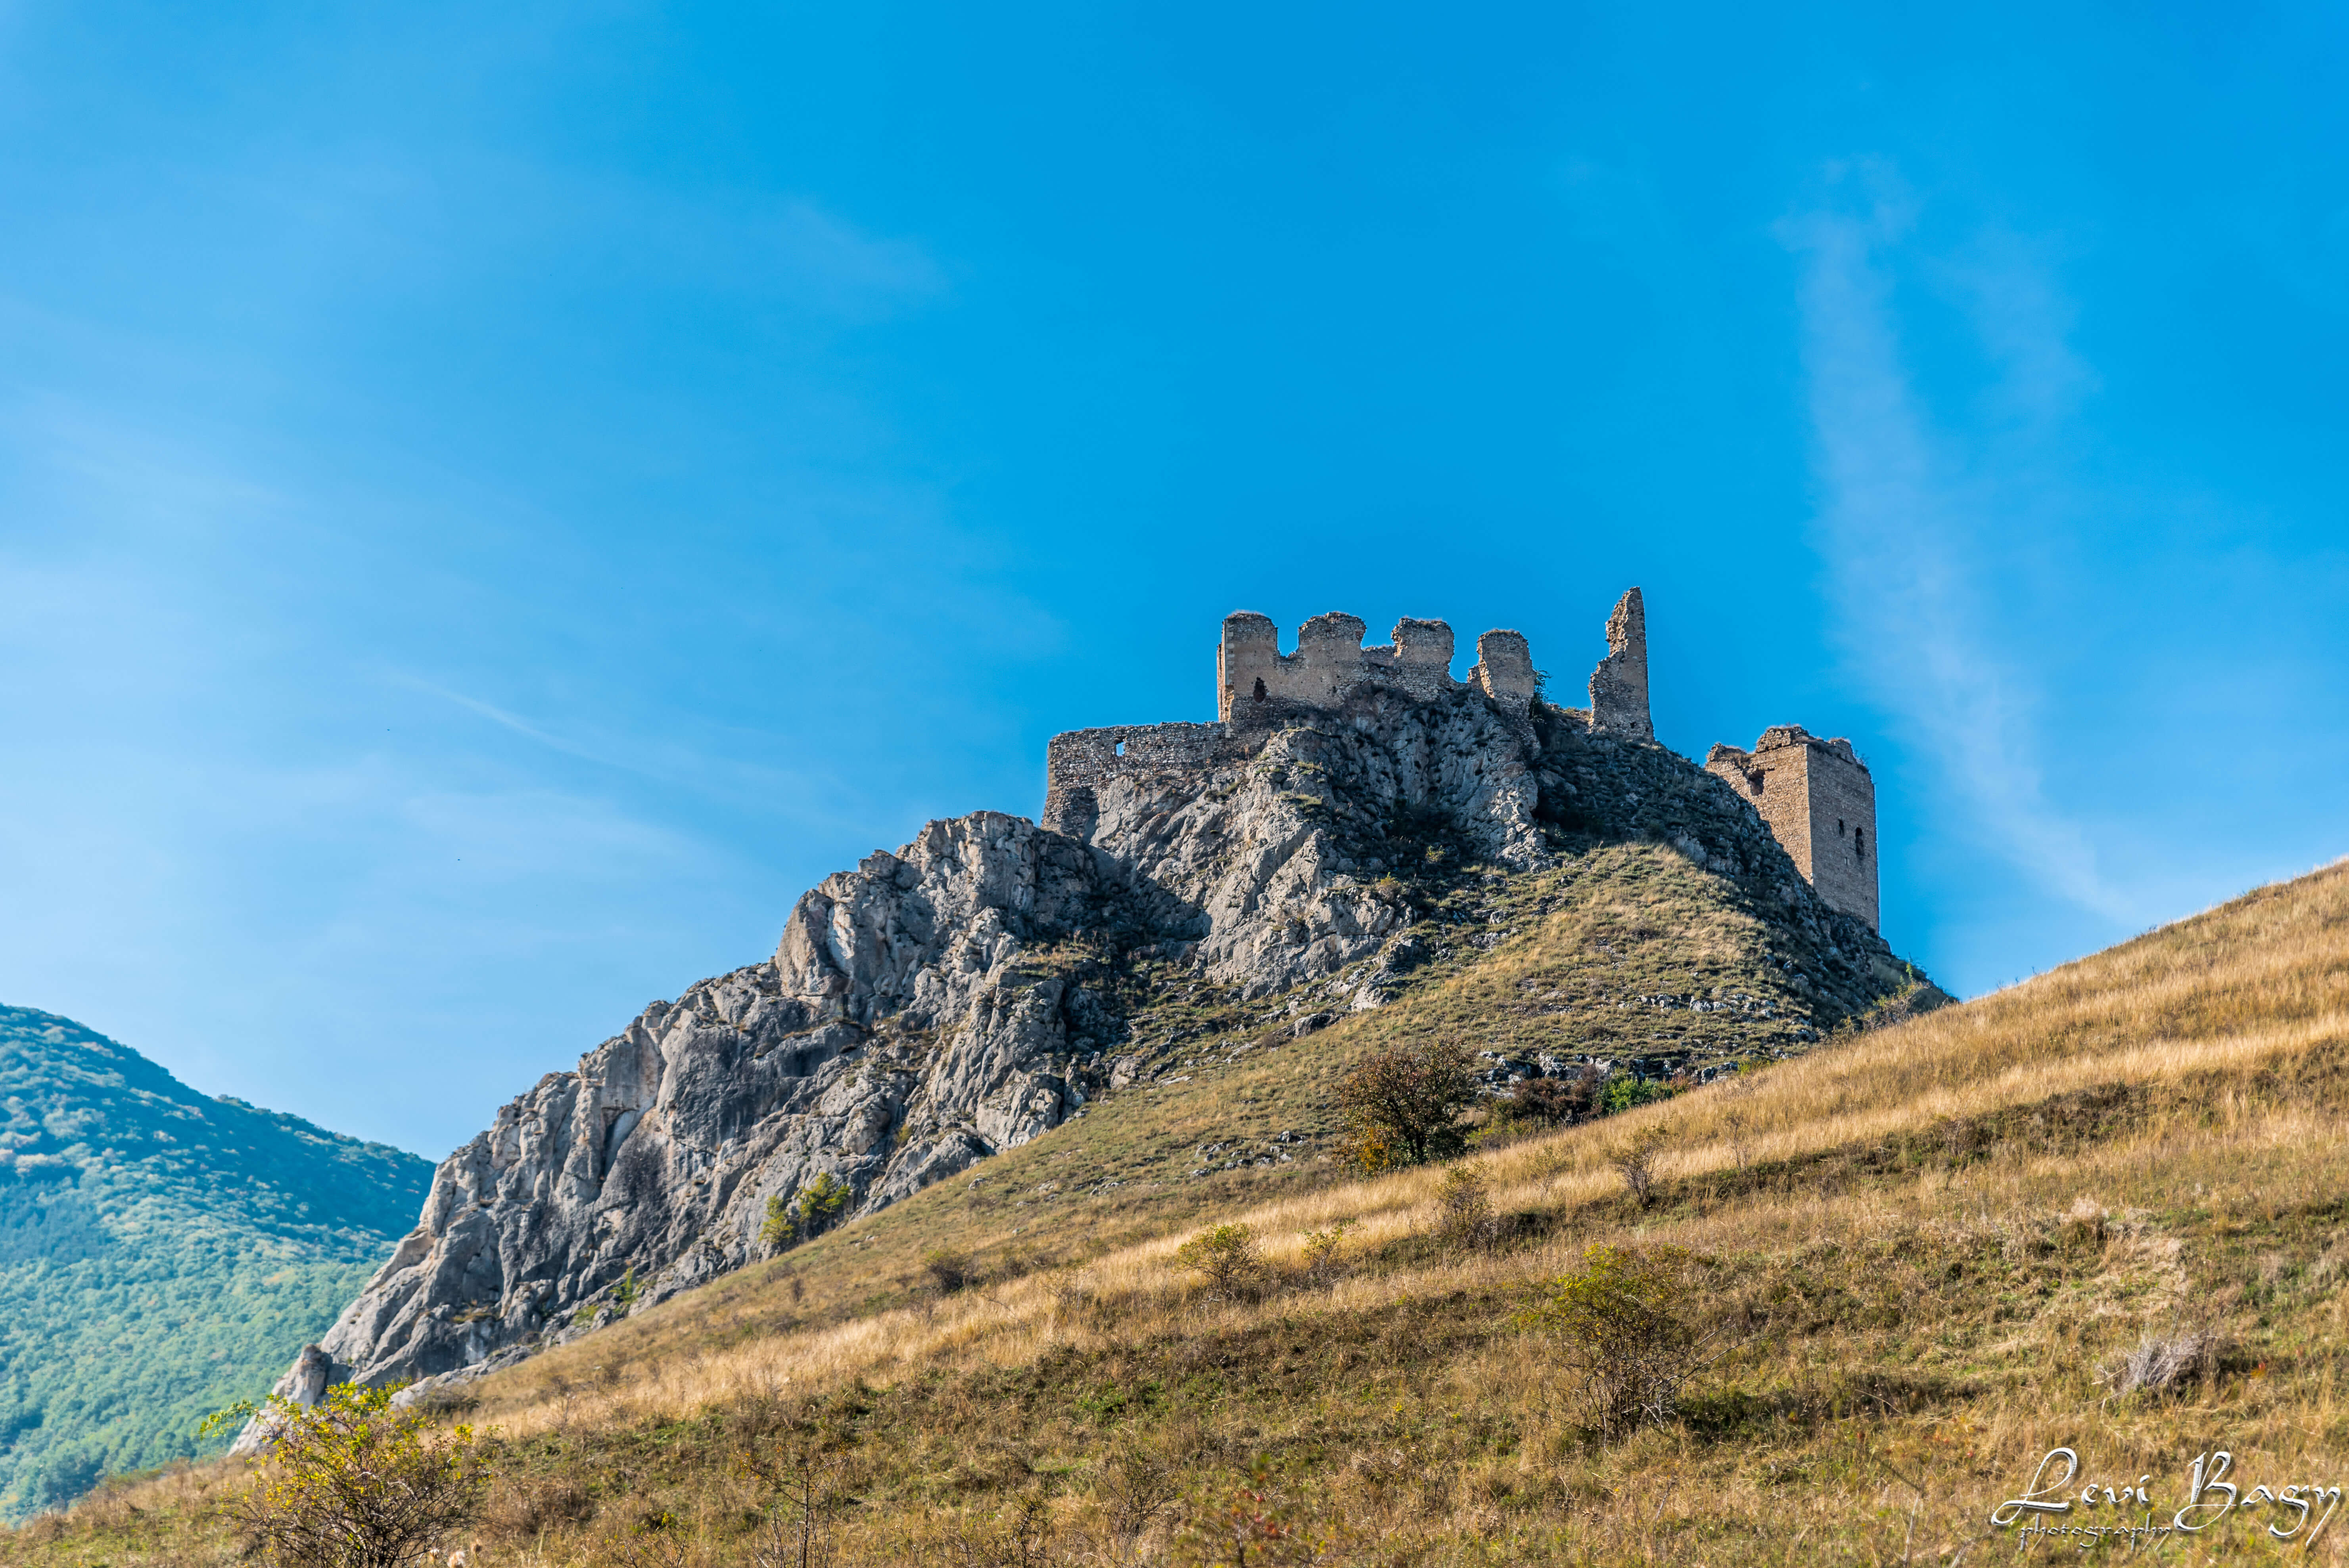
x: 1820, y: 804
x: 1815, y: 795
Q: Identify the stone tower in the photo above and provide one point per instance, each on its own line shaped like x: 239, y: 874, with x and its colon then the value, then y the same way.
x: 1618, y: 686
x: 1820, y: 805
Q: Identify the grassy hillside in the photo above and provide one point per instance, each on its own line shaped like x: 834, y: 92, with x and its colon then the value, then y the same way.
x: 1928, y: 1246
x: 161, y: 1253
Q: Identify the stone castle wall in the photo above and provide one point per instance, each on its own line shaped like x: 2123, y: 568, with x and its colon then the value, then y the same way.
x: 1080, y: 761
x: 1819, y: 801
x: 1257, y: 683
x: 1814, y: 794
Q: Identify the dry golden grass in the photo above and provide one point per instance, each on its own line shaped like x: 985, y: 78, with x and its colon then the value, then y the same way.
x: 1932, y: 1242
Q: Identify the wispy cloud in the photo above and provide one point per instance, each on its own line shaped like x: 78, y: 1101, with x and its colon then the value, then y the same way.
x: 514, y: 722
x: 1902, y: 522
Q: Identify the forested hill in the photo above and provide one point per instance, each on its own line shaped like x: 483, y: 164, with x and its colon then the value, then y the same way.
x: 162, y: 1253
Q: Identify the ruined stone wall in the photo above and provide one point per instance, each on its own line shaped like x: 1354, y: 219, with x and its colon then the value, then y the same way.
x: 1080, y: 761
x: 1256, y: 682
x: 1618, y: 686
x: 1504, y: 671
x: 1820, y: 804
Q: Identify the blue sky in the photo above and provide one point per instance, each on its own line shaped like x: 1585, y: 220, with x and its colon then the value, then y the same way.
x: 494, y: 501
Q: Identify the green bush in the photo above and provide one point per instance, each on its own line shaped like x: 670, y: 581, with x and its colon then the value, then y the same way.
x: 1624, y: 1322
x: 1226, y: 1257
x: 1625, y: 1092
x: 353, y: 1482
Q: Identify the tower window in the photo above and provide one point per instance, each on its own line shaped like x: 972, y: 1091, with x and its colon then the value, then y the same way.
x: 1260, y: 688
x: 1859, y: 842
x: 1120, y: 749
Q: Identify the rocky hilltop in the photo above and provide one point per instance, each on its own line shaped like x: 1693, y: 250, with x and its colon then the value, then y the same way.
x: 981, y: 984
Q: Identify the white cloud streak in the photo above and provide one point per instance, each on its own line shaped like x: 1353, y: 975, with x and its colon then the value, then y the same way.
x: 1901, y: 523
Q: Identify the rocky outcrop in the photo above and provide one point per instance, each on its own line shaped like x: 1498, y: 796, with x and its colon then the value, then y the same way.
x: 920, y: 1012
x: 937, y: 1004
x: 1282, y: 848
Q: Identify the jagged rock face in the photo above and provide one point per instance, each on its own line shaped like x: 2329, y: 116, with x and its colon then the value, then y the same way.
x: 899, y: 1035
x: 1281, y: 849
x: 935, y: 1006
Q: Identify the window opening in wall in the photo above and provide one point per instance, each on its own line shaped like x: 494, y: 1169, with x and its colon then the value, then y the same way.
x: 1120, y: 750
x: 1760, y: 781
x: 1839, y: 826
x: 1260, y: 688
x: 1859, y: 842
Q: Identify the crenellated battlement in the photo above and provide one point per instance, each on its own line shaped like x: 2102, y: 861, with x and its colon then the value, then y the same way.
x: 1257, y: 683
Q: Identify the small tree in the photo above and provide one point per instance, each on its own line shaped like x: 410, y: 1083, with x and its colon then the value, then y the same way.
x: 353, y: 1482
x: 1227, y: 1256
x: 808, y: 1215
x: 628, y: 1292
x: 1402, y: 1104
x: 780, y: 1228
x: 821, y: 1202
x: 800, y: 1477
x: 1623, y: 1320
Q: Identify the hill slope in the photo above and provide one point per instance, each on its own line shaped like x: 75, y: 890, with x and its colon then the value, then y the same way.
x: 1931, y: 1246
x: 160, y: 1251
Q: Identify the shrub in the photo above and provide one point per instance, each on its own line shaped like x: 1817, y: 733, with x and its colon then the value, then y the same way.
x: 808, y: 1215
x: 352, y: 1483
x: 1403, y: 1106
x: 1321, y: 1250
x: 1634, y: 1160
x: 1466, y: 1208
x: 1226, y: 1257
x: 1021, y: 1537
x: 1623, y: 1320
x: 1552, y: 1101
x: 945, y: 1270
x: 1254, y: 1527
x: 1624, y: 1092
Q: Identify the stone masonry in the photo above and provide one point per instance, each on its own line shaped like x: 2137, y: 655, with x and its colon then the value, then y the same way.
x: 1257, y: 684
x: 1618, y: 686
x: 1820, y: 804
